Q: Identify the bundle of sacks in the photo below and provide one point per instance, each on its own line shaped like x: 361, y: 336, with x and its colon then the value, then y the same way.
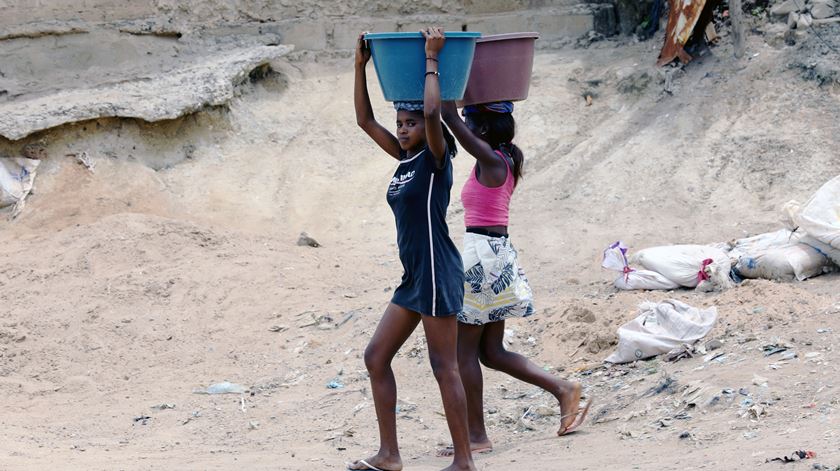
x: 808, y: 247
x: 701, y: 267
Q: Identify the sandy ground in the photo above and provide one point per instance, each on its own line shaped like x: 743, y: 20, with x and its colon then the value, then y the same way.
x: 174, y: 265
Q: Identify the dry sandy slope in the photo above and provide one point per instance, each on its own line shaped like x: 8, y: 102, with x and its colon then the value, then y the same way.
x: 166, y: 268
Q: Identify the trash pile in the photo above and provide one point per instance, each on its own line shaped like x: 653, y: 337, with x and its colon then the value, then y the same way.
x: 808, y: 247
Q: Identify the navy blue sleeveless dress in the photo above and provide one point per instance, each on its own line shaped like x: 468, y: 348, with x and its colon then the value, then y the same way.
x: 433, y: 274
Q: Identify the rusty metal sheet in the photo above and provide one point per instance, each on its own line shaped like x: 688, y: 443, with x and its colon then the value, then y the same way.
x: 682, y: 19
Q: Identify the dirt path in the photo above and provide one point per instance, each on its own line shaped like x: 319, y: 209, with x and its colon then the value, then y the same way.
x: 130, y: 287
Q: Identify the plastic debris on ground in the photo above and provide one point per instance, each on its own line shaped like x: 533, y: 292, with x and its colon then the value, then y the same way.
x: 224, y: 387
x: 795, y: 456
x: 335, y: 384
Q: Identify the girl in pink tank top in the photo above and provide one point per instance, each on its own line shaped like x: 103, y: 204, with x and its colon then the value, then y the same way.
x: 496, y: 288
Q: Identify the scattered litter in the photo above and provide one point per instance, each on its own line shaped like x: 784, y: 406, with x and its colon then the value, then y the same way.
x: 163, y: 406
x: 812, y: 354
x: 679, y: 353
x: 630, y: 434
x: 143, y: 419
x: 345, y: 319
x: 789, y: 355
x: 278, y: 328
x: 795, y: 456
x: 665, y: 422
x: 404, y: 407
x: 524, y: 422
x: 659, y: 328
x: 82, y: 158
x: 773, y: 349
x: 305, y: 240
x: 716, y: 357
x: 823, y: 331
x: 754, y: 412
x: 323, y: 322
x: 759, y: 381
x: 253, y: 425
x: 335, y: 384
x: 667, y: 384
x: 195, y: 415
x: 222, y: 388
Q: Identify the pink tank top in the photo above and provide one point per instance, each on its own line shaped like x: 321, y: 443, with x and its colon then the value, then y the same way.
x: 485, y: 206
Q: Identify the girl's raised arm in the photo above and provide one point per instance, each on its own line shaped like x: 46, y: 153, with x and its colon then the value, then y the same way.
x: 471, y: 143
x: 364, y: 112
x: 431, y: 96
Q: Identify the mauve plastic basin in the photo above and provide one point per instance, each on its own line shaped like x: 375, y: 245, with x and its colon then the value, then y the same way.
x: 400, y: 62
x: 501, y: 69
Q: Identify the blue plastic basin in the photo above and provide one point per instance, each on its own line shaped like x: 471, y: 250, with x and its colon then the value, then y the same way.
x: 400, y: 62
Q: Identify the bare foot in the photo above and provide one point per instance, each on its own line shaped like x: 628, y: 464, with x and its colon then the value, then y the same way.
x: 476, y: 447
x: 571, y: 415
x: 466, y: 467
x: 377, y: 462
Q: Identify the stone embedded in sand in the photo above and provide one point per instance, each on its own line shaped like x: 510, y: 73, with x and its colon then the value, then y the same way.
x: 793, y: 19
x: 34, y: 151
x: 822, y: 10
x: 784, y: 8
x: 805, y: 21
x: 305, y: 240
x: 713, y: 344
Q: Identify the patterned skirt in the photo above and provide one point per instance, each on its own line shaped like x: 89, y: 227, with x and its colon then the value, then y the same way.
x: 496, y: 287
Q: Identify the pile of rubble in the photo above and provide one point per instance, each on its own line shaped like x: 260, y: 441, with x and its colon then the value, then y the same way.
x: 802, y: 14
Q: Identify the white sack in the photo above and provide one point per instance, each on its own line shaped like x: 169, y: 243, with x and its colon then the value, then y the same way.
x: 16, y: 177
x: 832, y: 253
x: 819, y: 217
x: 778, y: 256
x: 661, y: 327
x: 683, y: 264
x: 615, y: 258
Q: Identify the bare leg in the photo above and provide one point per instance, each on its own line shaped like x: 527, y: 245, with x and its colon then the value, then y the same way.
x: 469, y: 337
x: 493, y: 355
x: 393, y: 330
x: 442, y: 339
